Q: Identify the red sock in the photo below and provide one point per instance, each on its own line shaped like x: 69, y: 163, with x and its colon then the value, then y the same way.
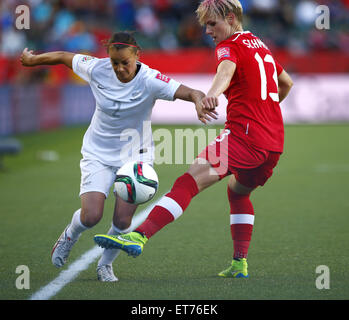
x: 241, y: 222
x: 170, y: 206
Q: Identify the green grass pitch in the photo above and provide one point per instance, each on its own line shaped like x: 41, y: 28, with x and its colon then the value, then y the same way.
x: 302, y: 222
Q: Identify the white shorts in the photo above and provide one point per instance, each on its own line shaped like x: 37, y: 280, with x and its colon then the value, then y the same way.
x: 98, y: 177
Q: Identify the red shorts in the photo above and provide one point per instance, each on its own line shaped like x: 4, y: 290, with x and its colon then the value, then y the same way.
x: 229, y: 154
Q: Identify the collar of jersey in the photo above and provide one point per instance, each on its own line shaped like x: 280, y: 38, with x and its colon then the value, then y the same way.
x: 241, y: 32
x: 237, y: 33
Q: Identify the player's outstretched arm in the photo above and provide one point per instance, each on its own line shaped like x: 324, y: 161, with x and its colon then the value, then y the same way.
x: 29, y: 59
x: 285, y: 85
x: 221, y: 81
x: 195, y: 96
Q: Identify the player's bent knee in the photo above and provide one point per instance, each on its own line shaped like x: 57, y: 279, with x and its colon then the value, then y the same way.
x: 203, y: 173
x: 236, y: 187
x: 90, y: 218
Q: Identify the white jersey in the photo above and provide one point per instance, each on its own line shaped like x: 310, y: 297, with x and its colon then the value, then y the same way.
x: 120, y: 128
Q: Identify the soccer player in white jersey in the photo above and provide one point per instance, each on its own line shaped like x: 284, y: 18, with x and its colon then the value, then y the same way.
x: 125, y: 91
x: 249, y: 147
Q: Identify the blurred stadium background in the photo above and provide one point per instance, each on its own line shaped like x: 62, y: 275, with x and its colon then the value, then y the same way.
x: 47, y: 111
x: 43, y: 98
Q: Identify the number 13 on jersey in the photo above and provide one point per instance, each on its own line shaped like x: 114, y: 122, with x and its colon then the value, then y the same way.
x: 267, y: 59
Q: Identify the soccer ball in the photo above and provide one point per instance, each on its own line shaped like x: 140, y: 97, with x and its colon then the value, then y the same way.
x: 136, y: 182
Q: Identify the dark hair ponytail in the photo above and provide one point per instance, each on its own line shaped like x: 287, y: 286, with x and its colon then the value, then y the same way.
x: 121, y: 40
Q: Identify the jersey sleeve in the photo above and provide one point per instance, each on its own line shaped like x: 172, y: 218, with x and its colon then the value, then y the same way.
x: 225, y: 52
x: 279, y: 68
x: 163, y: 86
x: 83, y: 65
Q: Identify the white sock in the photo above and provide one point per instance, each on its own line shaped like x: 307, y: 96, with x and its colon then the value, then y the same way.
x: 109, y: 255
x: 76, y: 227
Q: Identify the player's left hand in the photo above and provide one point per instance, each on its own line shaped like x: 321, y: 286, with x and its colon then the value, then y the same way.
x: 205, y: 115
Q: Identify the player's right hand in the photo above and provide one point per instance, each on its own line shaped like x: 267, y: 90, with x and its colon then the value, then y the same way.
x: 27, y: 58
x: 209, y: 102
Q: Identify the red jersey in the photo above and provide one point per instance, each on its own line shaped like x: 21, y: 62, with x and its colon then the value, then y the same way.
x: 253, y: 110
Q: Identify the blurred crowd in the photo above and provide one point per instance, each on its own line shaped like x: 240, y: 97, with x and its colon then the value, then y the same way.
x: 81, y: 25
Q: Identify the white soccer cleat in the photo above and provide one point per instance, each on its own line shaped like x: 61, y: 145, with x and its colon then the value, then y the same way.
x: 61, y: 249
x: 105, y: 273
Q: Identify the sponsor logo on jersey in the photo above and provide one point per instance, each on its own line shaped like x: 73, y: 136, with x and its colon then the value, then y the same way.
x: 223, y: 53
x: 86, y: 58
x: 162, y: 77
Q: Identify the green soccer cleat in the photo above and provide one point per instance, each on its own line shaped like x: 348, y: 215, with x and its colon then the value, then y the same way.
x: 132, y: 242
x: 238, y: 269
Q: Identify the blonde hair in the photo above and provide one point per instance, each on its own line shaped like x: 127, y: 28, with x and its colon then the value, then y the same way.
x: 219, y: 9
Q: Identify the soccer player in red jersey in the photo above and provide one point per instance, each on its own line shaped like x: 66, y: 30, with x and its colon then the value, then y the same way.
x: 248, y: 148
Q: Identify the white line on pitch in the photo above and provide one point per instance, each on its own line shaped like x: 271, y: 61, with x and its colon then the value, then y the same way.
x: 68, y: 275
